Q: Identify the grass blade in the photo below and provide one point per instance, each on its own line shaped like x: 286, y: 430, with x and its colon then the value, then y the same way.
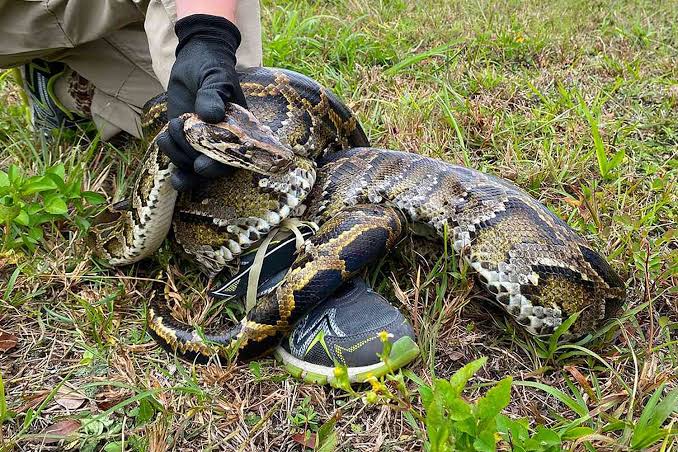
x: 558, y: 394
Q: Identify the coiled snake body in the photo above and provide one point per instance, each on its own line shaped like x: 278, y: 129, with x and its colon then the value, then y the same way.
x: 303, y: 154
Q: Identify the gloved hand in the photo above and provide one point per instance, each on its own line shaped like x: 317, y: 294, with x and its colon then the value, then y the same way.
x: 203, y: 78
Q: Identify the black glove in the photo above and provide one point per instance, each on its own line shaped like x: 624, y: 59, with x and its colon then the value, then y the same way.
x: 202, y: 80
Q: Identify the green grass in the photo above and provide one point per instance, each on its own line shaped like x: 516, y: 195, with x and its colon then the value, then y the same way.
x: 575, y: 101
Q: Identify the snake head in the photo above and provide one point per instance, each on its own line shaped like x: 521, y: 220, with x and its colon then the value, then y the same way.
x: 240, y: 140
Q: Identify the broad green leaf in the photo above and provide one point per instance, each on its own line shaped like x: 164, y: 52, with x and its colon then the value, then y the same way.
x: 82, y: 223
x: 37, y: 185
x: 115, y: 446
x: 496, y: 399
x: 426, y: 395
x: 545, y: 438
x: 255, y: 368
x: 467, y: 426
x: 517, y: 429
x: 485, y: 441
x: 146, y: 411
x: 458, y: 410
x: 72, y: 189
x: 58, y: 170
x: 55, y: 205
x: 58, y: 181
x: 15, y: 176
x: 437, y: 426
x: 326, y: 439
x: 462, y: 376
x: 94, y: 198
x: 8, y: 213
x: 22, y: 218
x: 35, y: 233
x: 4, y: 179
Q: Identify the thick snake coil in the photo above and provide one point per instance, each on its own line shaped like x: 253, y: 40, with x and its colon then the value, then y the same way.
x: 303, y: 154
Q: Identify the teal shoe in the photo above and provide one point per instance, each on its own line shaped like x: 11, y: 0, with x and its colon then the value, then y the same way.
x: 47, y: 112
x: 346, y: 330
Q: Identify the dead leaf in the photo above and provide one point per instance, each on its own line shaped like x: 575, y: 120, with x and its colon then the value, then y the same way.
x: 304, y: 440
x: 7, y: 341
x: 69, y: 398
x: 56, y: 432
x: 33, y: 401
x: 455, y: 355
x: 157, y: 437
x: 583, y: 382
x: 573, y: 202
x: 108, y: 399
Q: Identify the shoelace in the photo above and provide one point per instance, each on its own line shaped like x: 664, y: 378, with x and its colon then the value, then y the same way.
x: 286, y: 226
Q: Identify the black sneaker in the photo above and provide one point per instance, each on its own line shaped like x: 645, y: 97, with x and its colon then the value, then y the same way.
x: 47, y: 112
x: 346, y: 330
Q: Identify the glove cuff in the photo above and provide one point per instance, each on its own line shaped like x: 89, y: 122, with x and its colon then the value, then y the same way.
x: 208, y: 28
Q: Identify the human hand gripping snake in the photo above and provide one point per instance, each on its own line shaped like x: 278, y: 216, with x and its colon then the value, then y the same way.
x: 301, y: 153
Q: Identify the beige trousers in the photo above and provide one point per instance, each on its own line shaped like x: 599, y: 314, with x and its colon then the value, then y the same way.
x: 125, y: 48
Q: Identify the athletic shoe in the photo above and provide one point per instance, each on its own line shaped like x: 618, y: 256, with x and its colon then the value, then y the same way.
x: 47, y: 112
x: 345, y: 330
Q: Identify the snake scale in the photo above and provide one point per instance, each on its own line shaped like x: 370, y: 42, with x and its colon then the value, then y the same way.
x: 301, y: 153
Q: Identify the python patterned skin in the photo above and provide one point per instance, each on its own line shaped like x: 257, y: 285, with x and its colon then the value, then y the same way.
x: 365, y: 199
x: 298, y: 121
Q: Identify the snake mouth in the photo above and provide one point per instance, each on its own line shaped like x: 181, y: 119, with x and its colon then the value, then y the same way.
x: 240, y: 141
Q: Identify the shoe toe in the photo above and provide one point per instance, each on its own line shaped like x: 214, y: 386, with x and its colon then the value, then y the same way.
x: 345, y: 329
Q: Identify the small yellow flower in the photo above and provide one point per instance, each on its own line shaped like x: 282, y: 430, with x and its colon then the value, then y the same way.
x: 377, y: 386
x: 385, y: 336
x: 339, y: 371
x: 520, y: 39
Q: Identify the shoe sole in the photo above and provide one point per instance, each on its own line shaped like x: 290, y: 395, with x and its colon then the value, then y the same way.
x: 404, y: 350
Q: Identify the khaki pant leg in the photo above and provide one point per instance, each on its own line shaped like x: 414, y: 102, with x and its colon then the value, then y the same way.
x: 119, y: 66
x: 38, y: 28
x: 104, y: 41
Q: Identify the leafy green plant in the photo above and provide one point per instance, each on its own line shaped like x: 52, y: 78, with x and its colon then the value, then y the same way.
x: 605, y: 165
x: 326, y: 438
x: 305, y: 416
x: 648, y: 429
x: 452, y: 423
x: 29, y: 203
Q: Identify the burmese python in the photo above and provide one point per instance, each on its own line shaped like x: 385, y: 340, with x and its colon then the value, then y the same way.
x: 303, y: 154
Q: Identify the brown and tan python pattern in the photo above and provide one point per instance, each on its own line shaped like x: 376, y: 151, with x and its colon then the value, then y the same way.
x: 364, y: 199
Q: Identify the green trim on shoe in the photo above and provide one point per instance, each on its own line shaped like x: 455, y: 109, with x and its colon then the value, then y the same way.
x: 404, y: 350
x: 53, y: 97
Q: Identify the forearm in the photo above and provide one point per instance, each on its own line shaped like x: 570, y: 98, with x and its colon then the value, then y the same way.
x: 222, y: 8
